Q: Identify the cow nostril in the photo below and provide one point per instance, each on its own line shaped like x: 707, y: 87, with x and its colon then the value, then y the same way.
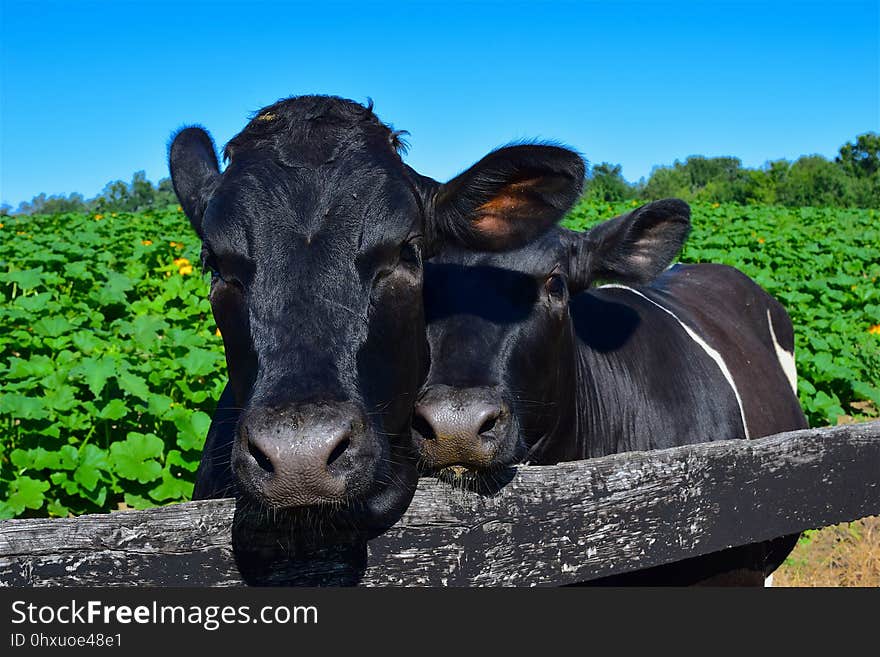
x: 338, y: 450
x: 421, y: 426
x: 488, y: 424
x: 261, y: 459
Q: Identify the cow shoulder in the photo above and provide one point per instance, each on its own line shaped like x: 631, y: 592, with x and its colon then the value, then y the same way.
x: 753, y: 333
x: 649, y: 368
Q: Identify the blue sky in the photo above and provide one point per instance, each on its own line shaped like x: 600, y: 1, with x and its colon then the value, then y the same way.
x: 91, y: 91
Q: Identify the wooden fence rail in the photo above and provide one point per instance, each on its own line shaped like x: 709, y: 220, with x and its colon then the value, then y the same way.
x: 548, y: 525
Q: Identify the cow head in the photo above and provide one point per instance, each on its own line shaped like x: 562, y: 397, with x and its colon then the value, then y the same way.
x: 315, y: 235
x: 501, y: 334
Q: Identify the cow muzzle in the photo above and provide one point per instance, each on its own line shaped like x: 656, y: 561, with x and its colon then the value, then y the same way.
x: 305, y: 455
x: 467, y: 427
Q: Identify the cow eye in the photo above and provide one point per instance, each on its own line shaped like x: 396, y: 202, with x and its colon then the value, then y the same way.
x: 555, y: 287
x: 217, y: 277
x: 411, y: 252
x: 410, y: 256
x: 209, y: 263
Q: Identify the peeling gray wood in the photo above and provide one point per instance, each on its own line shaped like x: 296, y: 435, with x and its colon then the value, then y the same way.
x: 549, y: 525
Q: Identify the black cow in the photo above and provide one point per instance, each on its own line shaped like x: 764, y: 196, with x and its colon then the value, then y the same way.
x: 315, y: 234
x: 531, y: 362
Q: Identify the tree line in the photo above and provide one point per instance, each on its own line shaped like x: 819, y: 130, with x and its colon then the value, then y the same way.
x: 118, y: 196
x: 852, y: 179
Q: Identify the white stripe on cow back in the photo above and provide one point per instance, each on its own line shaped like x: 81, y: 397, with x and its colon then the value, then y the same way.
x: 786, y: 358
x: 712, y: 353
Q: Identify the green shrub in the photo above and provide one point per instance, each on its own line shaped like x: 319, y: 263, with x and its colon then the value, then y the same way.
x: 110, y: 362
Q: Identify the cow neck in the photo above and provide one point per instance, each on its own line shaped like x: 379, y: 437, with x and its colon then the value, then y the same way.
x: 599, y: 410
x: 564, y: 441
x: 591, y: 418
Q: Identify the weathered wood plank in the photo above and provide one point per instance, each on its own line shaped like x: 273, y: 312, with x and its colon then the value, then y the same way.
x: 548, y: 526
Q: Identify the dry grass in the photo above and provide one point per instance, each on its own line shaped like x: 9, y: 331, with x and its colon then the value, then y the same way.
x: 842, y: 555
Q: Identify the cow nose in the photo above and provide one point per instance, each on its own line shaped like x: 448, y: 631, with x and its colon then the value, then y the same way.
x: 460, y: 426
x: 306, y: 455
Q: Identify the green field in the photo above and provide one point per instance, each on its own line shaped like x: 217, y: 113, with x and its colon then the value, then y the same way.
x: 111, y: 362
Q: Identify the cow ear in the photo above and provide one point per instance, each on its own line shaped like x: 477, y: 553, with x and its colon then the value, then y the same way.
x: 194, y: 172
x: 634, y: 247
x: 506, y: 199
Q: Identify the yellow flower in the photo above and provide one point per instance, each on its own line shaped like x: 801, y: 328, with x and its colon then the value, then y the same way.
x: 186, y: 269
x: 180, y: 262
x: 147, y: 242
x: 760, y: 240
x: 716, y: 205
x: 1, y: 225
x: 98, y: 217
x: 179, y: 209
x: 874, y: 330
x: 167, y: 274
x: 218, y: 334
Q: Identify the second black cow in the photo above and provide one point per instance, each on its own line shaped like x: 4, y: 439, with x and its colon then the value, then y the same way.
x: 532, y: 362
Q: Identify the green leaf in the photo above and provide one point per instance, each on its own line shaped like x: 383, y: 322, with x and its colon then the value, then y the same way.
x: 67, y: 484
x: 176, y: 458
x: 158, y: 405
x: 26, y: 279
x: 86, y: 341
x: 35, y: 302
x: 192, y: 427
x: 97, y: 495
x: 829, y: 406
x: 137, y: 501
x: 68, y: 457
x: 805, y: 387
x: 22, y: 407
x: 36, y: 366
x: 22, y: 458
x: 145, y: 330
x: 114, y: 289
x: 171, y: 488
x: 95, y: 372
x: 62, y: 398
x: 52, y: 326
x: 134, y: 457
x: 40, y: 459
x: 92, y: 461
x: 78, y: 270
x: 57, y: 509
x: 199, y: 362
x: 114, y: 410
x: 26, y: 493
x: 133, y: 384
x: 867, y: 391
